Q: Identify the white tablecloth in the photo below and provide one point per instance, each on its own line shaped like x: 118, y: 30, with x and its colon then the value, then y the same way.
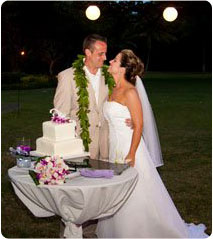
x: 78, y: 200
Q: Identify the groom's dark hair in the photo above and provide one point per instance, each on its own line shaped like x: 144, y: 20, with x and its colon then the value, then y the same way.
x: 90, y: 40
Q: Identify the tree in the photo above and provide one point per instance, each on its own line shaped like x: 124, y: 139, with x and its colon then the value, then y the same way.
x: 12, y: 42
x: 147, y: 26
x: 50, y: 52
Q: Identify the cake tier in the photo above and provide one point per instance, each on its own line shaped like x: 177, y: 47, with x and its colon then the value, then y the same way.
x: 60, y: 148
x: 58, y: 132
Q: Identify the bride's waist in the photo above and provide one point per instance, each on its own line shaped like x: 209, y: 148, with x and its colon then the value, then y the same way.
x: 121, y: 132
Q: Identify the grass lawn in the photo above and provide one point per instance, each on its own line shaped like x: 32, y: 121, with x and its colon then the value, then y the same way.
x: 182, y: 106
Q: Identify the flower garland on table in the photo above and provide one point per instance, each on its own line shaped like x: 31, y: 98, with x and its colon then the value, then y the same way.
x: 83, y: 96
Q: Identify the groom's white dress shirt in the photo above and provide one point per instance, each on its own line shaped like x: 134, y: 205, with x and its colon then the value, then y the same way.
x: 94, y: 80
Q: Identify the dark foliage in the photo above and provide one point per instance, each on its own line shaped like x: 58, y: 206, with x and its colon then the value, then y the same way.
x: 52, y: 33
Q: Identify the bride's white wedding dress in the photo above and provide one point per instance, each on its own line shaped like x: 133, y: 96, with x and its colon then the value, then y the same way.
x: 149, y: 212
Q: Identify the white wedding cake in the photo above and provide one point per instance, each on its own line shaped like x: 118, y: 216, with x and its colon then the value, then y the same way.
x: 59, y: 138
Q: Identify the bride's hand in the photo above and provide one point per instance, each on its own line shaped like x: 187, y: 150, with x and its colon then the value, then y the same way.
x: 130, y: 160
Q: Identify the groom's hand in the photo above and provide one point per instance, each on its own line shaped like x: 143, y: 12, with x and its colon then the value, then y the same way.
x: 129, y: 123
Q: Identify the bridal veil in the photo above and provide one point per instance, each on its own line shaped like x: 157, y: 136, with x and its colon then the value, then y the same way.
x: 150, y: 132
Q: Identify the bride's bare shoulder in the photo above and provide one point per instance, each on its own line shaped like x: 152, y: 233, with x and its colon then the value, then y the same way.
x: 131, y: 90
x: 131, y: 93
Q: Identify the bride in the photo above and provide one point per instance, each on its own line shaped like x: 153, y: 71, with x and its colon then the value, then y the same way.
x: 149, y: 212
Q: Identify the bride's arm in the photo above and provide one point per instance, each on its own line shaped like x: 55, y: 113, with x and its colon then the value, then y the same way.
x: 134, y: 105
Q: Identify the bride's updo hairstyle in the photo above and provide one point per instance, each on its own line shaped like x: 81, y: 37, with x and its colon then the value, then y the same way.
x: 133, y: 65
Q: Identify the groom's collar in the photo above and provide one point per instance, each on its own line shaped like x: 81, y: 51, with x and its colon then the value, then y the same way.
x: 98, y: 73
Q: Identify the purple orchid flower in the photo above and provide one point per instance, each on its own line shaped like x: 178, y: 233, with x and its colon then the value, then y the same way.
x: 38, y: 176
x: 25, y: 148
x: 43, y: 162
x: 59, y: 120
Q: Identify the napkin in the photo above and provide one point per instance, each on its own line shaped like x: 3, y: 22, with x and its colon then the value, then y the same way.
x: 98, y: 173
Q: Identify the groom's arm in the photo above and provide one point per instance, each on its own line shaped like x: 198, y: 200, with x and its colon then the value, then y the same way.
x: 62, y: 98
x: 129, y: 123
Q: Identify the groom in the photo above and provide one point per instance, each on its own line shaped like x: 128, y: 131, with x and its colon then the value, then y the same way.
x: 81, y: 92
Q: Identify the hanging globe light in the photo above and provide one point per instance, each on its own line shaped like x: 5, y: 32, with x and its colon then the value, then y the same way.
x: 22, y: 53
x: 170, y: 14
x: 93, y: 13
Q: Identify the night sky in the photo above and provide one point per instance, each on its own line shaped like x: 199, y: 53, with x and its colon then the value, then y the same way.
x: 55, y: 30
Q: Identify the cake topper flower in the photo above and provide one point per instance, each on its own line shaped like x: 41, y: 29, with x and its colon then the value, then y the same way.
x: 58, y: 117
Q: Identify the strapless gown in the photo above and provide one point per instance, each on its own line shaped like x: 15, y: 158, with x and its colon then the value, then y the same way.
x: 149, y: 212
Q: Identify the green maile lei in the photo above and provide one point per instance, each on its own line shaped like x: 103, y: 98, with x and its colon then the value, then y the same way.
x: 83, y: 96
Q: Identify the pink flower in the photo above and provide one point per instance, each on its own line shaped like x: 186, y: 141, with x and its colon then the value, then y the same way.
x: 51, y: 170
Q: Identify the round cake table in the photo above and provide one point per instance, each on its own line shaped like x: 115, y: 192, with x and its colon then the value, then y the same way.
x: 78, y: 200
